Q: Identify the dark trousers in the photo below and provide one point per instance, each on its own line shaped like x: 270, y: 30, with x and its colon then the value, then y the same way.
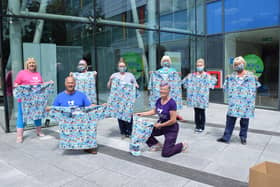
x: 199, y: 117
x: 170, y: 134
x: 125, y: 127
x: 244, y: 124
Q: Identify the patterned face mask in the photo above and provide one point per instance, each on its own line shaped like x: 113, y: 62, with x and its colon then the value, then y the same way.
x: 165, y: 64
x: 81, y: 68
x: 122, y: 69
x: 239, y: 67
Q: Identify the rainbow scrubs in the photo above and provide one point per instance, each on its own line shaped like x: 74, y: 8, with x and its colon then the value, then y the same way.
x: 77, y: 126
x: 173, y: 79
x: 86, y: 83
x: 121, y: 100
x: 198, y: 87
x: 241, y: 94
x: 141, y: 131
x: 34, y: 100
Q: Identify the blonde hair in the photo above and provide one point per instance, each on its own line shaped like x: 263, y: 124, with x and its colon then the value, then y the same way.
x: 165, y: 58
x: 239, y: 59
x: 200, y: 60
x: 29, y: 60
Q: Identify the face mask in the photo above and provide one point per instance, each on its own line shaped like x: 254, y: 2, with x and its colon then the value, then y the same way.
x: 81, y: 68
x: 240, y: 67
x: 122, y: 69
x: 199, y: 69
x: 165, y: 64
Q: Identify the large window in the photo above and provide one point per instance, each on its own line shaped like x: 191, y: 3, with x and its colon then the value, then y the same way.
x: 261, y: 51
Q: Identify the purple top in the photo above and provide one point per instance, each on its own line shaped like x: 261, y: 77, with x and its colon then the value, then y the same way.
x: 163, y: 111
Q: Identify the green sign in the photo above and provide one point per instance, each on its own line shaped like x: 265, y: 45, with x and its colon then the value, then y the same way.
x: 254, y: 64
x: 134, y: 63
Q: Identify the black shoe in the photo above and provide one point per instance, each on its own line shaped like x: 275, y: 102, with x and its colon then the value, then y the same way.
x: 243, y: 141
x: 127, y: 136
x: 222, y: 140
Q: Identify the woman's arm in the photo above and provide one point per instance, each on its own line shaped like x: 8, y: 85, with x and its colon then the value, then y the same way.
x: 147, y: 113
x: 109, y: 82
x: 172, y: 120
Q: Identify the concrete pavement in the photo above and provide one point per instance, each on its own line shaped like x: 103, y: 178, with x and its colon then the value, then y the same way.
x: 39, y: 162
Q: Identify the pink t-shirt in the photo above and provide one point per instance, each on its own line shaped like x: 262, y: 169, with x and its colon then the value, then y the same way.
x: 25, y: 77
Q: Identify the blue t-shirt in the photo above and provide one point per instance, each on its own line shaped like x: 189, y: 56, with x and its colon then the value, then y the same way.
x: 76, y: 99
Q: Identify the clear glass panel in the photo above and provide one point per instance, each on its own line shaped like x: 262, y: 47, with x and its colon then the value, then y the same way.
x: 214, y: 17
x: 200, y: 17
x: 180, y: 14
x: 261, y: 51
x: 137, y: 47
x: 132, y: 11
x: 178, y: 47
x: 215, y: 62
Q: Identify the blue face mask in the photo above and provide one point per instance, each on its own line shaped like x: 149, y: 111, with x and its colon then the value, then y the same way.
x: 240, y: 67
x: 122, y: 69
x: 200, y: 69
x: 165, y: 64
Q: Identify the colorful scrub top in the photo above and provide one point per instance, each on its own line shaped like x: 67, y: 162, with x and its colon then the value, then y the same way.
x: 198, y: 86
x: 34, y: 100
x: 76, y: 99
x: 174, y: 81
x: 141, y: 131
x: 85, y: 82
x: 121, y: 100
x: 77, y: 126
x: 241, y: 94
x: 26, y: 77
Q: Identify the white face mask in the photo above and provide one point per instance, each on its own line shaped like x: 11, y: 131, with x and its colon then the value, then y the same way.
x: 200, y: 69
x: 122, y: 69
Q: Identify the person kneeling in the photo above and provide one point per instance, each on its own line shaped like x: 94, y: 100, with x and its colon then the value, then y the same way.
x: 167, y: 125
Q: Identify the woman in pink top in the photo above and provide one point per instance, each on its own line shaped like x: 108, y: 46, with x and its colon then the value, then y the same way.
x: 28, y: 76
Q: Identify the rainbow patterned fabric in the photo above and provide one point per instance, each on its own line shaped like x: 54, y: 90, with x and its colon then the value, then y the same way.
x: 77, y: 126
x: 121, y: 100
x: 141, y: 131
x: 241, y: 94
x: 85, y: 82
x: 174, y: 81
x: 198, y: 89
x: 34, y: 100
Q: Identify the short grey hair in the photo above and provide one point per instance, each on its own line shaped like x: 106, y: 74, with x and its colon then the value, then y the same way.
x: 239, y: 59
x: 164, y: 83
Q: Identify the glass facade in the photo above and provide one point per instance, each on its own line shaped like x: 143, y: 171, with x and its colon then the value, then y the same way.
x: 58, y: 33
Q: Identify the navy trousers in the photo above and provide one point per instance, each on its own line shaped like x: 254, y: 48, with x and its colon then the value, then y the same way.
x: 230, y: 123
x: 199, y: 117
